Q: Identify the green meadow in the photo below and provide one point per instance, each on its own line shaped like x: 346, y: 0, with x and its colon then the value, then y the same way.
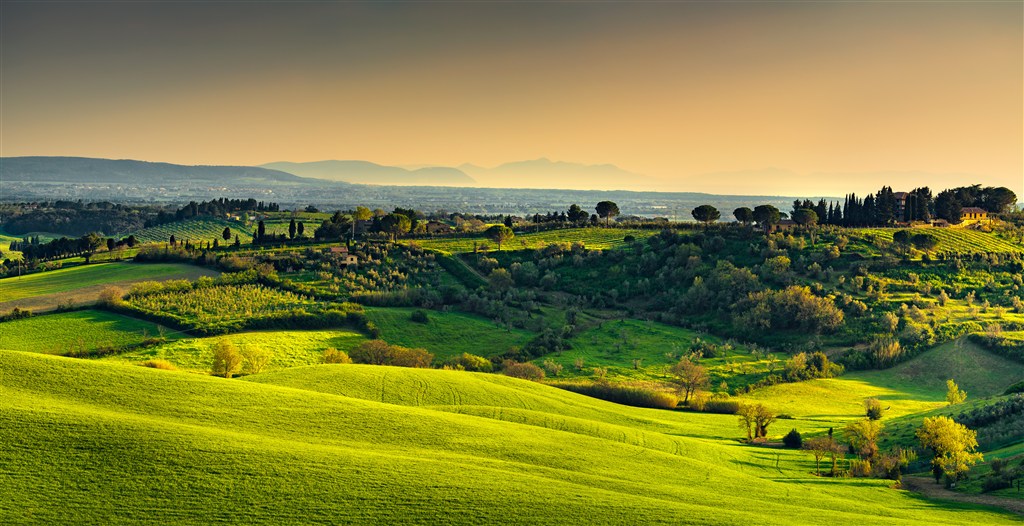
x: 77, y: 332
x: 80, y: 277
x: 446, y: 333
x: 99, y: 442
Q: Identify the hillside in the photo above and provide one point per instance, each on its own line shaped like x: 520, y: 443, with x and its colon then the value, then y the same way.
x: 142, y: 445
x: 365, y: 172
x: 126, y: 171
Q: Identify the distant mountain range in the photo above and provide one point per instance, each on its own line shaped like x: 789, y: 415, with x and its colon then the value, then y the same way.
x: 539, y: 173
x: 365, y: 172
x: 90, y: 170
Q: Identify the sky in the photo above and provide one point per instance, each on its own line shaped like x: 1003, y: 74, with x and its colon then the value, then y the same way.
x: 792, y: 98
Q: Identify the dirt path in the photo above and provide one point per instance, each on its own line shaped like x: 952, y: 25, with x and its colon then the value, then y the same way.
x: 928, y: 488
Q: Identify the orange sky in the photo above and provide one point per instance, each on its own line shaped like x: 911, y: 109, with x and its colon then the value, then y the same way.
x: 835, y: 97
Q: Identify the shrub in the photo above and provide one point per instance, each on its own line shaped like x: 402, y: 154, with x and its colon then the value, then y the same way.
x: 793, y: 439
x: 873, y: 408
x: 158, y: 363
x: 419, y: 316
x: 471, y: 362
x: 526, y: 371
x: 722, y: 406
x: 626, y: 395
x: 332, y: 355
x: 552, y: 367
x: 409, y: 357
x: 111, y: 296
x: 255, y: 359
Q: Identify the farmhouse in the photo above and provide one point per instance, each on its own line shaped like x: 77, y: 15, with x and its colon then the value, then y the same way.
x: 973, y: 213
x: 437, y: 227
x: 785, y: 224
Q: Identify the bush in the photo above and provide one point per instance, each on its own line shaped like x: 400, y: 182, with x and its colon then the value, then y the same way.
x: 332, y: 355
x: 633, y: 396
x: 226, y: 359
x: 419, y: 316
x: 722, y: 406
x: 526, y: 371
x: 409, y: 357
x: 158, y: 363
x: 873, y: 408
x: 793, y: 440
x: 471, y: 362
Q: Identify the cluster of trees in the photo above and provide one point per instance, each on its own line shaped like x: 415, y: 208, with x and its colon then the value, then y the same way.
x: 32, y: 248
x: 380, y: 352
x: 212, y: 208
x: 228, y: 360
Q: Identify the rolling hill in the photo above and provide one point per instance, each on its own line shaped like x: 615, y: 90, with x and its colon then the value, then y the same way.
x: 126, y: 171
x: 101, y: 443
x: 365, y: 172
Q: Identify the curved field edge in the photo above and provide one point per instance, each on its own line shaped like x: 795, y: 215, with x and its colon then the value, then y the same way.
x: 135, y: 445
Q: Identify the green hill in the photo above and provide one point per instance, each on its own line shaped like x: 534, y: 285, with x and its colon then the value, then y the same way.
x: 95, y: 442
x: 197, y: 230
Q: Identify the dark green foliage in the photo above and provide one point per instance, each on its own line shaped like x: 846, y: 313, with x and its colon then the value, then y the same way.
x: 419, y: 316
x: 793, y: 440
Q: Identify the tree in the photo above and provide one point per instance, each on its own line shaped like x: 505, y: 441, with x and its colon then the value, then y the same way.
x: 110, y: 244
x: 766, y: 216
x: 238, y: 242
x: 954, y: 446
x: 226, y: 359
x: 607, y: 210
x: 499, y: 234
x: 954, y: 395
x: 924, y: 242
x: 226, y: 234
x: 255, y: 359
x: 863, y: 436
x: 706, y: 214
x: 261, y: 230
x: 805, y: 217
x: 691, y: 377
x: 821, y: 447
x: 302, y: 228
x: 173, y: 240
x: 793, y: 439
x: 763, y: 417
x: 873, y: 408
x: 746, y: 414
x: 577, y: 214
x: 292, y: 228
x: 362, y: 213
x: 743, y: 215
x: 332, y: 355
x: 395, y: 224
x: 901, y: 238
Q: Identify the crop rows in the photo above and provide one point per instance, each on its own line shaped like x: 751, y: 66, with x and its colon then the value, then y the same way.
x: 592, y: 238
x: 954, y: 241
x: 194, y: 230
x: 212, y: 305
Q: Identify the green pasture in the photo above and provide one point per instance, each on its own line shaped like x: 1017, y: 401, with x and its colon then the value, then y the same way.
x: 76, y: 331
x: 592, y: 238
x: 70, y: 279
x: 446, y: 334
x: 104, y: 443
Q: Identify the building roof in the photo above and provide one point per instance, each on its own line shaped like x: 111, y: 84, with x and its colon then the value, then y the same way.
x: 973, y: 210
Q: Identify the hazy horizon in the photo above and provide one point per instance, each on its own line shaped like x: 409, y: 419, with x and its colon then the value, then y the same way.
x: 726, y: 98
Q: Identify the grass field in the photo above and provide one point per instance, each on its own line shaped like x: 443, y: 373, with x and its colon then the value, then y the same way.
x: 76, y: 331
x: 913, y: 386
x: 78, y: 285
x: 447, y: 333
x: 592, y: 238
x: 197, y: 230
x: 288, y: 348
x: 97, y: 442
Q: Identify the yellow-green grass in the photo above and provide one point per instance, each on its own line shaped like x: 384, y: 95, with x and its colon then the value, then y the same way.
x: 288, y: 348
x: 76, y: 332
x: 5, y: 248
x: 592, y: 238
x: 1013, y: 454
x: 197, y: 230
x: 613, y: 345
x: 447, y: 333
x: 911, y: 387
x: 102, y: 443
x: 953, y: 240
x: 82, y: 284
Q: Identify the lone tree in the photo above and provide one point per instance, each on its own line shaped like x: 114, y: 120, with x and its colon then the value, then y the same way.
x: 924, y: 242
x: 292, y: 228
x: 261, y: 230
x: 607, y: 210
x: 255, y: 359
x: 302, y: 228
x: 954, y: 395
x: 954, y: 446
x: 499, y: 234
x: 766, y: 216
x: 226, y: 234
x: 821, y: 447
x: 743, y: 215
x: 706, y: 214
x: 863, y: 436
x: 226, y: 359
x: 755, y: 419
x: 691, y: 376
x: 805, y: 217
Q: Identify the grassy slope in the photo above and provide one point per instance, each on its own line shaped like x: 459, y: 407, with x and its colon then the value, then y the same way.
x: 916, y: 385
x: 98, y: 442
x: 289, y: 348
x: 77, y: 331
x: 70, y: 279
x: 447, y: 333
